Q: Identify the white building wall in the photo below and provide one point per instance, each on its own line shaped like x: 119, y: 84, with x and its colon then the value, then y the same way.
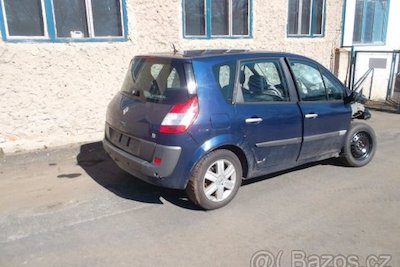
x: 57, y: 94
x: 393, y: 36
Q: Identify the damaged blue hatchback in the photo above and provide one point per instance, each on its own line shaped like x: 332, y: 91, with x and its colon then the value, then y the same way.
x: 205, y: 120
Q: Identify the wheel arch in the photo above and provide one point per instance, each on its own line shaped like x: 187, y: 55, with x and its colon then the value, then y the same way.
x: 229, y: 143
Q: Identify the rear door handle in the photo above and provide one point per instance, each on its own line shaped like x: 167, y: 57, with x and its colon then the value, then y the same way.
x: 311, y: 116
x: 254, y: 120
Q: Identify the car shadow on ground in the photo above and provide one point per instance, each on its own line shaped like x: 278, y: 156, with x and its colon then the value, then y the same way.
x: 100, y: 167
x: 332, y: 162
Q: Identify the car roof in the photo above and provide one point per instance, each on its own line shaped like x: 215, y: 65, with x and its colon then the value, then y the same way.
x: 223, y: 53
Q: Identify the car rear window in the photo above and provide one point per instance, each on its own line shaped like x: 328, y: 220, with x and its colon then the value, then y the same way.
x: 158, y: 80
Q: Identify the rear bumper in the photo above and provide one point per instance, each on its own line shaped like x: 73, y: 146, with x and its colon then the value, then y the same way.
x: 147, y: 171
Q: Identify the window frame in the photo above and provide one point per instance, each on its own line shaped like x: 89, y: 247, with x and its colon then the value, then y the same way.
x: 364, y: 25
x: 50, y: 30
x: 238, y: 97
x: 207, y: 25
x: 322, y: 71
x: 311, y: 24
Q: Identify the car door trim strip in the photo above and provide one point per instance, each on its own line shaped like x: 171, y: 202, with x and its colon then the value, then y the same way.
x: 297, y: 140
x: 324, y: 136
x: 290, y: 141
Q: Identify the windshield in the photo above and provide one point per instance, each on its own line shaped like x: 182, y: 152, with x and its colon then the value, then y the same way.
x: 156, y: 80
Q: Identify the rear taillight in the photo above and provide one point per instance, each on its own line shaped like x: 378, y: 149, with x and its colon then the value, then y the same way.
x: 180, y: 117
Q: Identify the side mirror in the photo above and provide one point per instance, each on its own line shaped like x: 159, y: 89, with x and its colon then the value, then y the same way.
x: 355, y: 97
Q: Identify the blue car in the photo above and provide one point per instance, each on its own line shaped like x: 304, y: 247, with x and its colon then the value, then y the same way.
x: 205, y: 120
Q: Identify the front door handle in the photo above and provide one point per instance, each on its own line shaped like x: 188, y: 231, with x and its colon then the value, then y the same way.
x: 254, y: 120
x: 311, y: 116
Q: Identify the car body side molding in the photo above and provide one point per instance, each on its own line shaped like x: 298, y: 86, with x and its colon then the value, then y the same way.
x: 290, y: 141
x: 324, y: 135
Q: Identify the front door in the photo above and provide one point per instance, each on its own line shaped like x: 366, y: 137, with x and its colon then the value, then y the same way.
x: 326, y: 117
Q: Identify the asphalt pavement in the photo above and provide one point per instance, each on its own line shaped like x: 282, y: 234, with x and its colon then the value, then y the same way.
x: 72, y: 206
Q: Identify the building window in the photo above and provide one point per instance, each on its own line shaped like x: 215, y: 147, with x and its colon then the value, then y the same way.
x: 370, y: 21
x: 306, y: 18
x: 63, y: 20
x: 217, y: 18
x: 25, y: 18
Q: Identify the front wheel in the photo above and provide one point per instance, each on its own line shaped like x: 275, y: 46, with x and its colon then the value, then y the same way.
x: 360, y: 145
x: 215, y: 180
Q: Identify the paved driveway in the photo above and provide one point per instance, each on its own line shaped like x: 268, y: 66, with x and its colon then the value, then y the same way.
x: 74, y: 207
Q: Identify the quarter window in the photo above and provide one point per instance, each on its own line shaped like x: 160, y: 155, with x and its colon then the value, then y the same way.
x: 225, y: 77
x: 306, y: 17
x: 217, y: 18
x: 63, y: 20
x: 370, y: 21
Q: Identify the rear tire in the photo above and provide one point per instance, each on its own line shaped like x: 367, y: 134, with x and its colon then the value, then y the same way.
x: 360, y: 145
x: 215, y: 180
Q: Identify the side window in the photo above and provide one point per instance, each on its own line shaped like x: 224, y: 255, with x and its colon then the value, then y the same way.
x: 333, y: 88
x: 261, y: 81
x: 309, y: 82
x: 225, y: 77
x: 270, y: 70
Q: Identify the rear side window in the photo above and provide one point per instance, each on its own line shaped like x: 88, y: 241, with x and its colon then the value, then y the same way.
x: 261, y: 81
x: 157, y: 80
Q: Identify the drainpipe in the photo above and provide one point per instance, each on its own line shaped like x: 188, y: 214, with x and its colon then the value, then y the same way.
x: 391, y: 75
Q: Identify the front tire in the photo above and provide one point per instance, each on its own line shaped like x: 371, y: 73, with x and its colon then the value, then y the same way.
x: 360, y: 145
x: 215, y: 180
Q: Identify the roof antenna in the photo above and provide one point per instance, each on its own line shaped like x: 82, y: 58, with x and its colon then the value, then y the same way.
x: 175, y: 50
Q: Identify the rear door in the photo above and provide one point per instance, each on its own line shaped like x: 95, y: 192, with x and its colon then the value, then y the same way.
x: 326, y: 117
x: 268, y: 114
